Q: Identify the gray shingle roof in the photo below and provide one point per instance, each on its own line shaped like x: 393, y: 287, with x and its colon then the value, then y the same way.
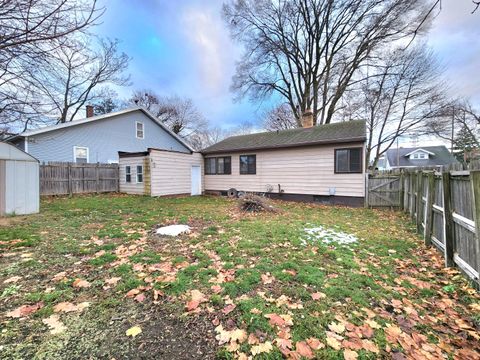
x: 342, y: 132
x: 441, y: 157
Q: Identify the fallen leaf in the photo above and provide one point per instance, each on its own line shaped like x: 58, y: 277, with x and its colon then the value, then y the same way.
x: 65, y: 307
x: 140, y: 298
x: 265, y: 347
x: 113, y: 280
x: 56, y: 326
x: 370, y: 346
x: 24, y: 310
x: 338, y: 328
x: 12, y: 279
x: 304, y: 350
x: 350, y: 355
x: 79, y: 283
x: 318, y: 296
x: 238, y: 335
x: 228, y: 309
x: 132, y: 293
x: 315, y: 344
x: 133, y: 331
x: 334, y: 343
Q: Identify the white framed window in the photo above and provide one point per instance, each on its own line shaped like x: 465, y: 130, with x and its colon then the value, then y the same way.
x: 128, y: 174
x: 80, y: 154
x: 139, y: 130
x: 139, y: 174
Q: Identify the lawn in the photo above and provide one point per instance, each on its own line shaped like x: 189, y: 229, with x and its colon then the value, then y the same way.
x: 88, y: 278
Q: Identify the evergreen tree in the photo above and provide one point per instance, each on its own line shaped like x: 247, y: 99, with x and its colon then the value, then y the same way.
x: 465, y: 141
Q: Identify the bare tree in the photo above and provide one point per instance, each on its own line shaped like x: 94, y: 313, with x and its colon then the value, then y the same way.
x: 405, y: 92
x: 207, y: 137
x: 453, y: 117
x: 179, y: 114
x: 68, y: 80
x: 107, y: 101
x: 280, y: 118
x: 30, y: 30
x: 309, y: 51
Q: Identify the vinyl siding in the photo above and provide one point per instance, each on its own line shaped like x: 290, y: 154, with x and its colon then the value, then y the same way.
x: 133, y: 187
x: 104, y: 139
x: 307, y: 170
x: 171, y: 172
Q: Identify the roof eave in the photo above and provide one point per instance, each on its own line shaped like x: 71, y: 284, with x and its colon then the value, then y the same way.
x: 286, y: 146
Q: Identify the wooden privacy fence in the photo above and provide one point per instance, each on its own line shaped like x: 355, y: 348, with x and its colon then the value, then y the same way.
x: 62, y: 178
x: 445, y: 205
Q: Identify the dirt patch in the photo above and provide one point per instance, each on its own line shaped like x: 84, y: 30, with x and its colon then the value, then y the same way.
x: 12, y: 220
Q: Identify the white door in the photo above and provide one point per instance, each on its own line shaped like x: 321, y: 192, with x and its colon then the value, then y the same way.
x: 196, y: 180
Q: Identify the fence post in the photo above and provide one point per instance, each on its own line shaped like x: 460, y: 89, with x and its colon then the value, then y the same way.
x: 367, y: 185
x: 412, y: 193
x: 475, y: 184
x: 419, y: 200
x: 447, y: 220
x: 402, y: 192
x: 97, y: 179
x: 69, y: 171
x: 429, y: 208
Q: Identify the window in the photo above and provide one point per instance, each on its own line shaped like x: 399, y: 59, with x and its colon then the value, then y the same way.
x: 139, y: 130
x: 218, y: 165
x: 348, y: 160
x: 420, y: 156
x: 128, y: 174
x: 80, y: 154
x: 139, y: 174
x: 248, y: 164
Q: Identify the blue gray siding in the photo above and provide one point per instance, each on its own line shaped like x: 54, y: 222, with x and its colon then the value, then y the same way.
x: 104, y: 139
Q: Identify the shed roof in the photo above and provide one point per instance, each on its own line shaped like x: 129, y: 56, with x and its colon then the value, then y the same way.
x: 439, y: 155
x: 347, y: 131
x: 10, y: 152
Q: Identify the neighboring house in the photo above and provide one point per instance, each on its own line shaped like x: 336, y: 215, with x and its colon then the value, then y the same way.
x: 425, y: 156
x: 314, y: 163
x: 99, y: 138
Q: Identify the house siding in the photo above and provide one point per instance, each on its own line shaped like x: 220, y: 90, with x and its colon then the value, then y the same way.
x: 307, y: 170
x: 171, y: 172
x: 133, y: 187
x: 104, y: 139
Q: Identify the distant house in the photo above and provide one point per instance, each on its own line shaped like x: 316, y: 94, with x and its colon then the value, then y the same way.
x: 99, y: 138
x: 425, y: 156
x: 315, y: 163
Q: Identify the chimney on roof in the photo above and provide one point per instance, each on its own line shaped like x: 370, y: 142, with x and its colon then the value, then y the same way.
x: 307, y: 118
x: 89, y: 110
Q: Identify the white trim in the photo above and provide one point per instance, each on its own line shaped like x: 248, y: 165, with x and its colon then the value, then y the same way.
x: 136, y: 174
x: 80, y: 147
x: 136, y: 130
x: 25, y: 145
x: 106, y: 116
x: 419, y: 150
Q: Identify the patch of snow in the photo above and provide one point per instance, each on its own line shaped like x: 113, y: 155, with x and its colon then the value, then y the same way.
x: 328, y: 236
x: 173, y: 230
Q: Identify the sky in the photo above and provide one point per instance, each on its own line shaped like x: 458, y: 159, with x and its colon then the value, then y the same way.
x: 184, y: 48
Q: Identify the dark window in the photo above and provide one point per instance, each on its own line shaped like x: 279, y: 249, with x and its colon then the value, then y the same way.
x: 128, y: 174
x: 348, y: 160
x: 248, y: 164
x: 218, y: 165
x: 139, y: 174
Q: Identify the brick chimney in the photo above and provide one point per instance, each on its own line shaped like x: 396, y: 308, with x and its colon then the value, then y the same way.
x: 89, y: 109
x: 307, y: 118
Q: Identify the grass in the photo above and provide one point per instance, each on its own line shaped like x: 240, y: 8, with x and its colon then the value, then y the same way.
x: 100, y: 237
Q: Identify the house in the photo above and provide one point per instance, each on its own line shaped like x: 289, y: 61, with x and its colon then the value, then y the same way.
x: 314, y: 163
x: 425, y: 156
x: 99, y: 138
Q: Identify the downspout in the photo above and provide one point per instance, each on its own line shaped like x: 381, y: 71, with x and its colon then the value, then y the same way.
x: 25, y: 144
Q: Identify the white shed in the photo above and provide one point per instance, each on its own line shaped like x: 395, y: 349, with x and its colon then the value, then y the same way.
x: 19, y: 181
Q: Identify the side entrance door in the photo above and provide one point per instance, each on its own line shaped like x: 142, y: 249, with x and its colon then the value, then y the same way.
x: 196, y: 180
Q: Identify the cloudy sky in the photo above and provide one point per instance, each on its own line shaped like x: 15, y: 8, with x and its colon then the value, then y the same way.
x: 183, y: 48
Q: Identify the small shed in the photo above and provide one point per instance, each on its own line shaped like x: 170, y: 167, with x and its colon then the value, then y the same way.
x: 19, y: 181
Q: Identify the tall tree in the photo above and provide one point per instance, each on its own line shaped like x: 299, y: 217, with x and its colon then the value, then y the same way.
x: 309, y: 51
x: 465, y: 142
x: 30, y: 31
x: 402, y: 93
x: 67, y: 82
x: 280, y: 118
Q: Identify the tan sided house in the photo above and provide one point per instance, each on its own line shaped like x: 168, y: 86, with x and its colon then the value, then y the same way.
x: 314, y: 163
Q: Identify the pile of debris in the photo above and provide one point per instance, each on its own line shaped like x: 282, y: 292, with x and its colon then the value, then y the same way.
x: 255, y: 203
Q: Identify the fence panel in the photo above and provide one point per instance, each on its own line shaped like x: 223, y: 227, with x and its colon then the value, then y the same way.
x: 58, y: 178
x: 444, y: 205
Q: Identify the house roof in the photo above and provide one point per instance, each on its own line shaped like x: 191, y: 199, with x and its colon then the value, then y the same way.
x: 98, y: 118
x: 441, y: 156
x: 10, y: 152
x: 348, y: 131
